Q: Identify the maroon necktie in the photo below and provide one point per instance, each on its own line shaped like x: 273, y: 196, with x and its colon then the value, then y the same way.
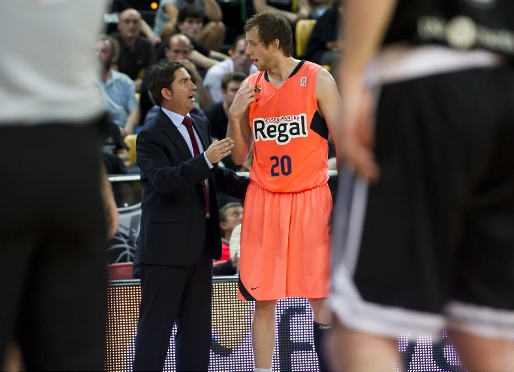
x: 196, y: 151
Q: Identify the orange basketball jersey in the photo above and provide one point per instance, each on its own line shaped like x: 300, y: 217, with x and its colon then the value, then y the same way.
x: 290, y: 136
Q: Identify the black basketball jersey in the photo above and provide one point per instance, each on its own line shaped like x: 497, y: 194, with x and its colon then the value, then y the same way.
x: 459, y: 24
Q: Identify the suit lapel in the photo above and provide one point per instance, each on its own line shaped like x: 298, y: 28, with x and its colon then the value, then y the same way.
x: 202, y: 132
x: 171, y: 131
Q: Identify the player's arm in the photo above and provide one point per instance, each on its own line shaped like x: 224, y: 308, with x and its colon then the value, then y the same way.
x: 365, y: 23
x: 329, y: 104
x: 239, y: 124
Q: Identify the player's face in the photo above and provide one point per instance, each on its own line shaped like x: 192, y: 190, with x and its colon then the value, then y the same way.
x: 263, y: 57
x: 182, y: 92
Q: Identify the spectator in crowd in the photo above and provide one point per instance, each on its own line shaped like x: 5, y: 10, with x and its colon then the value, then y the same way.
x: 117, y: 87
x: 112, y: 17
x: 238, y: 61
x: 217, y: 113
x: 179, y: 178
x: 230, y: 217
x: 212, y: 34
x: 136, y: 51
x: 189, y: 23
x: 114, y: 150
x: 325, y: 46
x: 425, y: 242
x: 290, y: 10
x: 179, y: 50
x: 57, y: 205
x: 235, y: 242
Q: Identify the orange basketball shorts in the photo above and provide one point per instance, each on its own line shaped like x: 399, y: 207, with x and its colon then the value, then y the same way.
x: 285, y: 244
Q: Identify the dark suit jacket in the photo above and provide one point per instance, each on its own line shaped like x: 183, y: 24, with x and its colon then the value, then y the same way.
x: 173, y: 223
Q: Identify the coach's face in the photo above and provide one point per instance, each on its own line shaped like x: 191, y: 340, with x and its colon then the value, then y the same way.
x: 180, y: 96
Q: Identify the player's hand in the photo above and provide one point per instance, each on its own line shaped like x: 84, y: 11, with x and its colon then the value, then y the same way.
x: 358, y: 135
x: 219, y: 149
x: 244, y: 96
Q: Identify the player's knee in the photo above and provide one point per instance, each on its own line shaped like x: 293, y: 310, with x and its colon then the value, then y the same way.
x: 317, y: 304
x: 265, y: 308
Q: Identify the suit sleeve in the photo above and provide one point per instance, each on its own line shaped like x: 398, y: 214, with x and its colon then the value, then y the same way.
x: 229, y: 183
x: 168, y: 172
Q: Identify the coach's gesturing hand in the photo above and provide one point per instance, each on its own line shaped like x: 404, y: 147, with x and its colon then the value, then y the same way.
x: 219, y: 149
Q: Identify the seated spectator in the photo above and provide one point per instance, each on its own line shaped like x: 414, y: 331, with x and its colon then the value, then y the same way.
x: 217, y: 113
x: 178, y: 50
x: 230, y: 217
x: 136, y: 51
x: 212, y: 34
x: 189, y: 23
x: 112, y: 17
x: 117, y: 88
x: 114, y: 150
x: 234, y: 242
x: 324, y: 47
x: 286, y: 8
x: 238, y: 61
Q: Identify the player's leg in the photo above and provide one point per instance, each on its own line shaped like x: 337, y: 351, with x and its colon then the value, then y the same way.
x: 353, y: 350
x: 321, y: 330
x: 483, y: 354
x: 61, y: 322
x: 394, y: 241
x: 309, y: 259
x: 263, y: 333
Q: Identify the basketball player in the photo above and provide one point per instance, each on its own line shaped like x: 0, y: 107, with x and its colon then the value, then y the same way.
x: 431, y: 243
x: 285, y: 112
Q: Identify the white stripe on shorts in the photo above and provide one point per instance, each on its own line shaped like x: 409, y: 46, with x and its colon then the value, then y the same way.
x: 345, y: 300
x: 480, y: 320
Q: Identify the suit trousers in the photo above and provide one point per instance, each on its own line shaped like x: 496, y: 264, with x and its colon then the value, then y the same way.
x: 188, y: 302
x: 53, y: 274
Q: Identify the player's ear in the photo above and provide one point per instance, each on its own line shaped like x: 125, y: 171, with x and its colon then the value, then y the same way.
x: 276, y: 44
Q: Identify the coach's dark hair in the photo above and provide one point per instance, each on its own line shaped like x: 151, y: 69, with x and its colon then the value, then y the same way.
x: 233, y: 76
x: 162, y: 77
x: 271, y: 26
